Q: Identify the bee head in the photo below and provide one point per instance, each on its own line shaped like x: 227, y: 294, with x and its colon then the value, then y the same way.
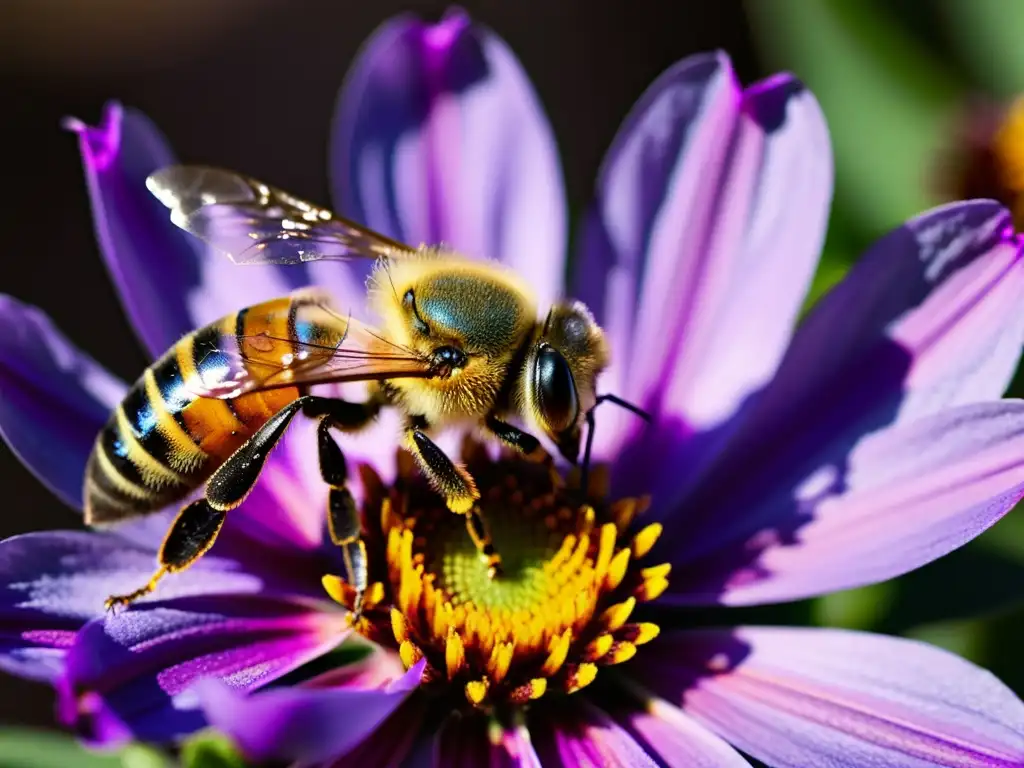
x: 561, y: 374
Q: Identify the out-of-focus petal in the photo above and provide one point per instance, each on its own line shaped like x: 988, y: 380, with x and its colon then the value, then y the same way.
x: 54, y: 399
x: 142, y: 663
x: 168, y: 282
x: 439, y: 137
x: 582, y: 735
x: 465, y: 742
x: 710, y: 214
x: 925, y: 322
x: 907, y: 496
x: 304, y: 725
x: 800, y: 697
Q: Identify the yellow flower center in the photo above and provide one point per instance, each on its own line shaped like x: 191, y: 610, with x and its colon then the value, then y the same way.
x: 558, y: 612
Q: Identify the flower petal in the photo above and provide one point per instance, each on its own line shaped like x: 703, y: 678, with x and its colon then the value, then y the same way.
x: 142, y: 663
x: 55, y: 398
x: 884, y: 349
x: 583, y: 735
x: 305, y: 725
x: 52, y: 583
x: 799, y: 697
x: 709, y: 219
x: 167, y: 281
x: 439, y: 137
x: 677, y: 739
x: 907, y: 496
x: 466, y: 742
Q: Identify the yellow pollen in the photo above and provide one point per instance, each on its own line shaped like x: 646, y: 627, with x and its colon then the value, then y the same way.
x: 570, y: 580
x: 645, y: 539
x: 617, y: 615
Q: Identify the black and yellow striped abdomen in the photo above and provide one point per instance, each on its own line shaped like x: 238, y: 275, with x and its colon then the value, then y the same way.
x: 163, y: 442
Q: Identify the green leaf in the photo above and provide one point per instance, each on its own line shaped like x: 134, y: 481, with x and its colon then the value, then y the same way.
x: 25, y: 748
x: 987, y: 34
x: 887, y: 102
x: 209, y: 749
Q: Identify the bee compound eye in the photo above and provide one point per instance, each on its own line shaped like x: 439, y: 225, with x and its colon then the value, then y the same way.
x: 555, y: 390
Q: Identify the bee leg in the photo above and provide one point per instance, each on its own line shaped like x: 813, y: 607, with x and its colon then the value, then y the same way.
x: 516, y: 438
x: 343, y: 521
x: 451, y: 481
x: 458, y: 488
x: 481, y: 536
x: 193, y: 532
x: 196, y: 527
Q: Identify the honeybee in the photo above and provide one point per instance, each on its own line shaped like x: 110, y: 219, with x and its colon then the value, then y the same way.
x: 460, y: 343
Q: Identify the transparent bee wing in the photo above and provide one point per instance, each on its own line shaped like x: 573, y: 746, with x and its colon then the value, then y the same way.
x: 298, y: 343
x: 254, y: 223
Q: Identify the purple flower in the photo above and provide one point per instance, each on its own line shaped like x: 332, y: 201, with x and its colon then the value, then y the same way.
x: 781, y: 462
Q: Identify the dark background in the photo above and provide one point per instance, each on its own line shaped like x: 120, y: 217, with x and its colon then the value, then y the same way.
x: 251, y: 85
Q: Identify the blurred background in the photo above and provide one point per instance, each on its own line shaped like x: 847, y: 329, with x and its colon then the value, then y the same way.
x: 912, y: 89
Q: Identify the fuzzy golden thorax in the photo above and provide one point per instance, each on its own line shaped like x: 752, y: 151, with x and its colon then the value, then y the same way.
x: 436, y: 299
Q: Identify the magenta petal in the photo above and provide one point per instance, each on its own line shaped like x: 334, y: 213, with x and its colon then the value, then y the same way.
x: 305, y: 725
x: 582, y: 735
x: 142, y: 663
x: 678, y: 740
x: 439, y: 137
x: 54, y: 399
x: 168, y: 282
x: 925, y: 322
x: 464, y: 742
x: 709, y: 219
x: 815, y: 697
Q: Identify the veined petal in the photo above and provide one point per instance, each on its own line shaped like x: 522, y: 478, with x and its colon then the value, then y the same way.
x: 52, y: 583
x: 907, y: 496
x: 710, y: 214
x: 55, y: 398
x: 799, y: 697
x: 926, y: 322
x: 302, y: 724
x: 169, y: 284
x: 439, y: 137
x: 140, y: 664
x: 582, y: 735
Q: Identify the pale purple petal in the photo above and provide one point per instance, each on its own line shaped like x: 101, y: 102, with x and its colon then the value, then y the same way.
x: 55, y: 398
x: 906, y: 335
x: 677, y: 739
x: 305, y: 725
x: 796, y: 698
x: 439, y: 137
x: 168, y: 282
x: 907, y: 496
x: 710, y: 215
x: 582, y: 735
x: 142, y: 663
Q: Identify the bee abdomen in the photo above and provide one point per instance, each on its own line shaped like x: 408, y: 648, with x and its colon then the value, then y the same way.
x: 145, y: 458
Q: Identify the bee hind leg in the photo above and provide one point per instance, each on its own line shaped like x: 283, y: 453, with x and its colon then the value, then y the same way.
x: 195, y: 528
x: 193, y: 532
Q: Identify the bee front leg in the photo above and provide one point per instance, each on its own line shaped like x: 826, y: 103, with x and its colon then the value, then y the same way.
x: 516, y: 438
x: 457, y: 486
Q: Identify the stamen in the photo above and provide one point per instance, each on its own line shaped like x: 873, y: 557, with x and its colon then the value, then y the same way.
x: 556, y: 615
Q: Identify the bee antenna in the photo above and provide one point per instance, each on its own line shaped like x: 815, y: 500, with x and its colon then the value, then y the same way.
x: 607, y: 398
